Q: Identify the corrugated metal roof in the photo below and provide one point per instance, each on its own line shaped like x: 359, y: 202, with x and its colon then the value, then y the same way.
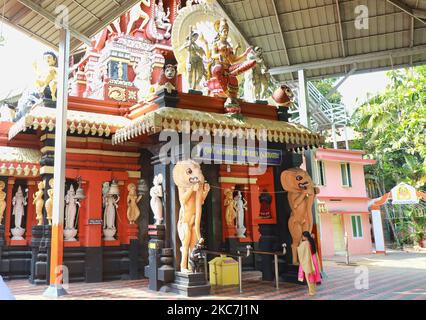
x: 86, y: 17
x: 324, y: 32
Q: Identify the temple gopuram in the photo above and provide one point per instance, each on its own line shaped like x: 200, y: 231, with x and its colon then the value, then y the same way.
x: 173, y: 144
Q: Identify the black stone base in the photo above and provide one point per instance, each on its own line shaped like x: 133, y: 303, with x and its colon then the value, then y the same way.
x: 190, y: 284
x: 289, y: 273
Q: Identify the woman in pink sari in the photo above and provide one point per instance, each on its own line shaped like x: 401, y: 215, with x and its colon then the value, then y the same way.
x: 308, y: 262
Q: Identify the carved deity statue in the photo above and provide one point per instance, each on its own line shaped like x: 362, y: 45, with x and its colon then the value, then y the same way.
x: 38, y: 201
x: 257, y: 79
x: 193, y: 190
x: 133, y: 211
x: 194, y: 62
x: 240, y: 207
x: 47, y: 77
x: 71, y: 206
x: 301, y: 197
x: 19, y: 202
x: 229, y: 203
x: 137, y: 13
x: 156, y: 193
x: 162, y: 20
x: 143, y: 71
x: 226, y: 67
x: 2, y: 201
x: 49, y: 203
x: 110, y: 201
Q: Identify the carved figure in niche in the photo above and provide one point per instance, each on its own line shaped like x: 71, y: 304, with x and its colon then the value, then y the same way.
x: 19, y: 202
x: 229, y: 203
x: 71, y: 207
x: 143, y: 72
x: 193, y: 190
x: 162, y: 20
x: 265, y: 200
x: 226, y: 67
x: 258, y: 77
x: 133, y: 199
x: 301, y: 197
x: 47, y: 77
x: 38, y: 201
x: 156, y: 193
x: 2, y: 201
x: 110, y: 200
x: 49, y: 203
x: 137, y: 13
x: 194, y: 61
x: 240, y: 207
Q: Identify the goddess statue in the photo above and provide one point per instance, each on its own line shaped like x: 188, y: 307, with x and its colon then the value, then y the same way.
x: 47, y: 77
x: 240, y: 207
x: 110, y: 200
x: 133, y: 211
x: 38, y: 201
x: 71, y: 207
x: 226, y: 67
x: 156, y: 193
x: 2, y: 200
x: 49, y: 203
x: 229, y: 203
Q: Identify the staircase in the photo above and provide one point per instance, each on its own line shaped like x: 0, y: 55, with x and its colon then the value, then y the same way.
x: 323, y: 113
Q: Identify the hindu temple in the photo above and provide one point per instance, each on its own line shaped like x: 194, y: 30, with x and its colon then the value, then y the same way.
x: 174, y: 143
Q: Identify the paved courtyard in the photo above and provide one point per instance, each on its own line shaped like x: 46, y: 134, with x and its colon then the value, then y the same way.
x: 398, y: 275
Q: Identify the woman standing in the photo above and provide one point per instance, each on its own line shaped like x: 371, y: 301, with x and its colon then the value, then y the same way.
x: 308, y: 258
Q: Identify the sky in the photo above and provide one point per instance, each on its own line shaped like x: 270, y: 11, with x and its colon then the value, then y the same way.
x: 16, y: 59
x: 19, y: 52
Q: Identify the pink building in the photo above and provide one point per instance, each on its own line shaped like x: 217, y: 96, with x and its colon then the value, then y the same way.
x: 343, y: 201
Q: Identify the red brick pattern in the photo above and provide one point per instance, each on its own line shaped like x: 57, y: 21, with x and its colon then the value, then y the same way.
x: 384, y: 284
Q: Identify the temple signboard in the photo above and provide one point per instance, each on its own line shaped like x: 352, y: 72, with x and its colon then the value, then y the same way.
x: 239, y: 155
x: 404, y: 194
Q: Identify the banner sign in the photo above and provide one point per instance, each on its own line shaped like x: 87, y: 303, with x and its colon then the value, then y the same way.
x: 404, y: 194
x: 244, y: 155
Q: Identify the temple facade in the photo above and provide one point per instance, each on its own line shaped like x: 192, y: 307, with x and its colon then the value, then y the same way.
x: 157, y: 86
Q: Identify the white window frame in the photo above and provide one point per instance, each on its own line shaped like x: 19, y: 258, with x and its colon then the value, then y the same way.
x: 348, y: 173
x: 358, y: 227
x: 320, y: 163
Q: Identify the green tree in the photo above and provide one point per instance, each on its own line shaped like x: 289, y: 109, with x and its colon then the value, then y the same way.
x: 324, y: 86
x: 393, y: 127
